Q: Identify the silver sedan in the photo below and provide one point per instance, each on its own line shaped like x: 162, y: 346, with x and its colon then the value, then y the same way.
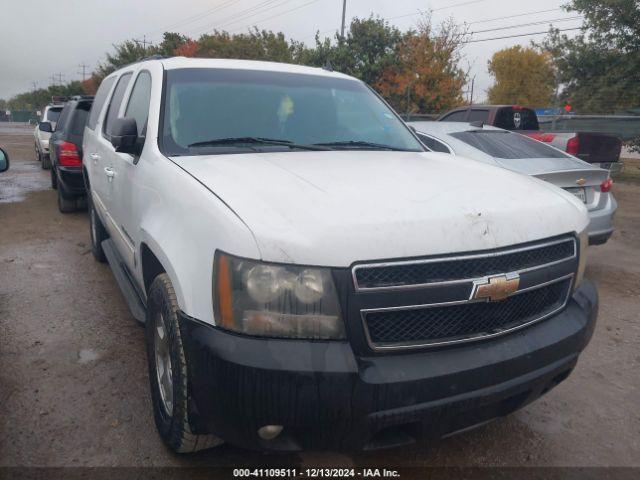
x: 522, y: 154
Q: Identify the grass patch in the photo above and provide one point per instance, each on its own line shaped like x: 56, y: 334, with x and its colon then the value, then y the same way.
x: 630, y: 172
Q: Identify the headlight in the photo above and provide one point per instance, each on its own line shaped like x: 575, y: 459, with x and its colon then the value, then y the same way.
x: 272, y: 300
x: 583, y: 239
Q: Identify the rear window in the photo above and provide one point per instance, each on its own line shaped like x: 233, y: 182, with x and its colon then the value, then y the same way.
x: 500, y: 144
x: 516, y: 119
x: 53, y: 114
x: 98, y: 102
x: 79, y: 118
x: 478, y: 116
x: 458, y: 116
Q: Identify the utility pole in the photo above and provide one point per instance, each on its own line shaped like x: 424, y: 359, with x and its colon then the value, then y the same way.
x: 83, y: 66
x: 144, y: 43
x: 60, y: 75
x: 473, y: 81
x: 344, y: 12
x: 53, y: 79
x: 34, y: 85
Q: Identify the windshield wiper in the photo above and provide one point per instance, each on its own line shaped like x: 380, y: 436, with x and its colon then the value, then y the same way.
x: 360, y: 143
x: 255, y: 140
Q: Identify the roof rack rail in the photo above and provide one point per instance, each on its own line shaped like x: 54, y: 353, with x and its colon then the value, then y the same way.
x: 81, y: 97
x: 59, y: 98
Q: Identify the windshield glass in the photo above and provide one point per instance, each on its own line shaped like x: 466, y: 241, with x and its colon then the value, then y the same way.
x: 205, y: 105
x: 500, y: 144
x: 53, y: 114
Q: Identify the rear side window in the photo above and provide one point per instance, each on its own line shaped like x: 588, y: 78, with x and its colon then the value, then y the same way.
x: 507, y: 145
x: 53, y: 114
x: 98, y: 102
x: 116, y: 101
x: 433, y: 144
x: 516, y: 119
x: 138, y: 106
x: 62, y: 119
x: 458, y: 116
x: 79, y: 118
x: 479, y: 116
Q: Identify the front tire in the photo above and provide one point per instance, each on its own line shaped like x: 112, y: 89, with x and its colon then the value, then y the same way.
x: 97, y: 232
x: 168, y: 371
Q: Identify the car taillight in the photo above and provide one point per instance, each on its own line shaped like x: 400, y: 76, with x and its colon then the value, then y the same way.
x: 606, y: 185
x: 573, y: 146
x: 68, y: 156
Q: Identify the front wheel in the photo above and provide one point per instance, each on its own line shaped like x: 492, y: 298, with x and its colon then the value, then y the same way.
x: 168, y: 371
x: 54, y: 179
x: 46, y: 161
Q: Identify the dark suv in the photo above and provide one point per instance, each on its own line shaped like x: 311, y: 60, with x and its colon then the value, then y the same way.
x: 66, y: 154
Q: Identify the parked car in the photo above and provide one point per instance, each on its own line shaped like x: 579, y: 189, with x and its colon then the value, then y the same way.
x: 592, y: 185
x: 42, y: 132
x: 600, y: 149
x: 308, y: 275
x: 4, y: 160
x: 66, y: 153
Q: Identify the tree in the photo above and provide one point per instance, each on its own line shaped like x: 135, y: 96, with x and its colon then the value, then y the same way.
x: 254, y: 45
x: 426, y: 76
x: 522, y: 75
x: 367, y: 50
x: 600, y: 68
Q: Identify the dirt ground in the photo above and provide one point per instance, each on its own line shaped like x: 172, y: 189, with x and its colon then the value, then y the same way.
x: 73, y: 376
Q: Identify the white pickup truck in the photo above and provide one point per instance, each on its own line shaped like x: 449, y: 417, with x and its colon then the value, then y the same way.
x: 309, y: 276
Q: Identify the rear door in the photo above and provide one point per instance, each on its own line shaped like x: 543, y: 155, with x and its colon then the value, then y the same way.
x: 109, y: 161
x: 94, y: 150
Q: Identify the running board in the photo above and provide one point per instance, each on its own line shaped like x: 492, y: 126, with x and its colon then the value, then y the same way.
x: 136, y: 304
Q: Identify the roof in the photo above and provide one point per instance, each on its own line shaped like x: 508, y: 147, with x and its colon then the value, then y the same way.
x: 173, y: 63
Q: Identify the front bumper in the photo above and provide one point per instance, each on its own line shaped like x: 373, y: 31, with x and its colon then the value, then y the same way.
x: 71, y: 180
x: 328, y: 398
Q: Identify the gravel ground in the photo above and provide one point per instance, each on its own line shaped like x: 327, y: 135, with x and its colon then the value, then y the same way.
x: 73, y: 376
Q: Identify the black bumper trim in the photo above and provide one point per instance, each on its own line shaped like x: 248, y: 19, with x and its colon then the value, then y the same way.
x: 329, y: 398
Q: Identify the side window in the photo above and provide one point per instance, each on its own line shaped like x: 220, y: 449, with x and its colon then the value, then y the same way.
x: 114, y: 105
x: 138, y: 106
x: 98, y: 103
x: 478, y: 116
x: 433, y: 144
x: 63, y: 118
x: 455, y: 116
x: 79, y: 118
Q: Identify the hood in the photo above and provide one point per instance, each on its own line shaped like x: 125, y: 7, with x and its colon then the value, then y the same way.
x: 563, y: 172
x: 335, y: 208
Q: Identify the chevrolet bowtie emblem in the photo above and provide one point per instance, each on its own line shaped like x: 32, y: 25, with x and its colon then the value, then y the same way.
x: 495, y: 288
x: 581, y: 181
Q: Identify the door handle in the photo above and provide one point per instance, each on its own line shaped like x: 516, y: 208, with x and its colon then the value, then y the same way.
x: 95, y: 157
x: 109, y: 172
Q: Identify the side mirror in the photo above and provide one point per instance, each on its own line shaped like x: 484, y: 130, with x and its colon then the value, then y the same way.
x: 45, y: 127
x: 4, y: 161
x: 124, y: 136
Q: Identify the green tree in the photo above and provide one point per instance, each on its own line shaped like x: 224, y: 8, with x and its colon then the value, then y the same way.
x: 426, y: 76
x: 522, y: 75
x: 254, y: 45
x: 600, y: 68
x: 368, y: 49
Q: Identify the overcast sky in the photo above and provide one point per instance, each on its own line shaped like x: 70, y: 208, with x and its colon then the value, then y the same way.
x: 39, y: 38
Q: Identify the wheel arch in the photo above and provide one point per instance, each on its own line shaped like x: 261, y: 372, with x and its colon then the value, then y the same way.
x: 153, y: 262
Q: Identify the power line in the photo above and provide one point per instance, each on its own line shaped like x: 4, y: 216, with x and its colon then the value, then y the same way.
x: 83, y: 66
x: 541, y: 22
x: 279, y: 14
x: 514, y: 16
x: 519, y: 35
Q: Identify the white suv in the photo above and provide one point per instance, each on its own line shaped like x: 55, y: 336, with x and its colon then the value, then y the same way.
x: 42, y: 133
x: 308, y: 275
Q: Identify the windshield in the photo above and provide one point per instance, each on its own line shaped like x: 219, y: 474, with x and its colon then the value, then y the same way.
x: 53, y: 114
x: 234, y: 111
x: 501, y: 144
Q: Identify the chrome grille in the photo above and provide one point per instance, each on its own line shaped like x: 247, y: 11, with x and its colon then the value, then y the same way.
x: 453, y: 299
x: 460, y: 268
x: 450, y: 323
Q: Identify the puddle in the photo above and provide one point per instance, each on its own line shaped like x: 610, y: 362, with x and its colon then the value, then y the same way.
x: 22, y: 179
x: 87, y: 355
